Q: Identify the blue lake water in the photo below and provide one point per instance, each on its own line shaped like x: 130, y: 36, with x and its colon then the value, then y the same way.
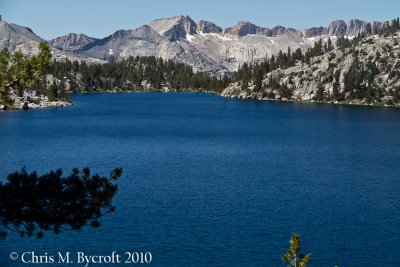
x: 210, y: 181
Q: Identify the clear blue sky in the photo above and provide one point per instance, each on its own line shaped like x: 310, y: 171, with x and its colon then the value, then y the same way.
x: 98, y: 18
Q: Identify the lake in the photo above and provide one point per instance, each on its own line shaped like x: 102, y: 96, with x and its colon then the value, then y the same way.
x: 210, y: 181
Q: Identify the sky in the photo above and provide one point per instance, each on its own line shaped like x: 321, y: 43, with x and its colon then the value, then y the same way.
x: 100, y: 18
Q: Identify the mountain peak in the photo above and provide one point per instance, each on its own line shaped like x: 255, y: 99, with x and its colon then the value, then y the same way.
x: 174, y: 28
x: 11, y: 28
x: 243, y: 28
x: 349, y: 28
x: 208, y: 27
x: 71, y: 41
x: 16, y: 37
x: 336, y: 28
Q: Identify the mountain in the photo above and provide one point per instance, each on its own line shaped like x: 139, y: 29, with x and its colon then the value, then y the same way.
x: 174, y: 28
x: 71, y: 42
x: 15, y: 37
x: 244, y: 28
x: 145, y: 41
x: 204, y: 45
x: 124, y: 43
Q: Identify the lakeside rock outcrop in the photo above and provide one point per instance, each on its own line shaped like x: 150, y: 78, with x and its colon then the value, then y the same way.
x: 32, y: 101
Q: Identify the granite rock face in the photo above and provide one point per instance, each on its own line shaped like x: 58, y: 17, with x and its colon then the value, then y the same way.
x: 208, y: 27
x: 313, y: 32
x: 340, y: 27
x: 336, y: 28
x: 244, y: 28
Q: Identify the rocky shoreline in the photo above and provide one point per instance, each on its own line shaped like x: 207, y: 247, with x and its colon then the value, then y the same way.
x: 33, y: 101
x: 234, y: 92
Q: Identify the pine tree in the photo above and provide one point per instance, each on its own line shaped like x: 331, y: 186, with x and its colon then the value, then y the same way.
x: 330, y: 46
x: 42, y: 61
x: 294, y: 256
x: 4, y: 79
x: 258, y: 79
x: 335, y: 91
x: 319, y: 96
x: 368, y: 29
x: 53, y: 92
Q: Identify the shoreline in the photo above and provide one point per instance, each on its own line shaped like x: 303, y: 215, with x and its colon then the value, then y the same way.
x: 248, y: 98
x: 42, y: 105
x: 32, y: 101
x: 335, y: 103
x: 42, y: 102
x: 360, y: 103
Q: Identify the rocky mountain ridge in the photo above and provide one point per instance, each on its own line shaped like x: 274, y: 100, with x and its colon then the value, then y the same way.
x: 71, y: 42
x: 15, y: 37
x: 203, y: 45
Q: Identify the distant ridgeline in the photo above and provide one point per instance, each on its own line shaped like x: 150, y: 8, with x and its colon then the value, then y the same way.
x: 135, y: 74
x: 361, y: 70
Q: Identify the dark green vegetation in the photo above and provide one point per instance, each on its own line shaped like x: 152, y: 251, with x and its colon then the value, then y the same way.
x: 31, y: 204
x: 294, y: 256
x: 135, y: 74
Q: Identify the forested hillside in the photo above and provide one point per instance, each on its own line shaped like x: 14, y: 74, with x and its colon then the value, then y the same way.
x: 135, y: 74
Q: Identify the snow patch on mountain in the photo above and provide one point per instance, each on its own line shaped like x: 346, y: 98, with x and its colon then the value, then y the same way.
x: 190, y: 37
x: 223, y: 38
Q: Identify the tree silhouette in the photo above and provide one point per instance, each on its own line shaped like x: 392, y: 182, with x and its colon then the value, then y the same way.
x: 31, y: 204
x: 294, y: 256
